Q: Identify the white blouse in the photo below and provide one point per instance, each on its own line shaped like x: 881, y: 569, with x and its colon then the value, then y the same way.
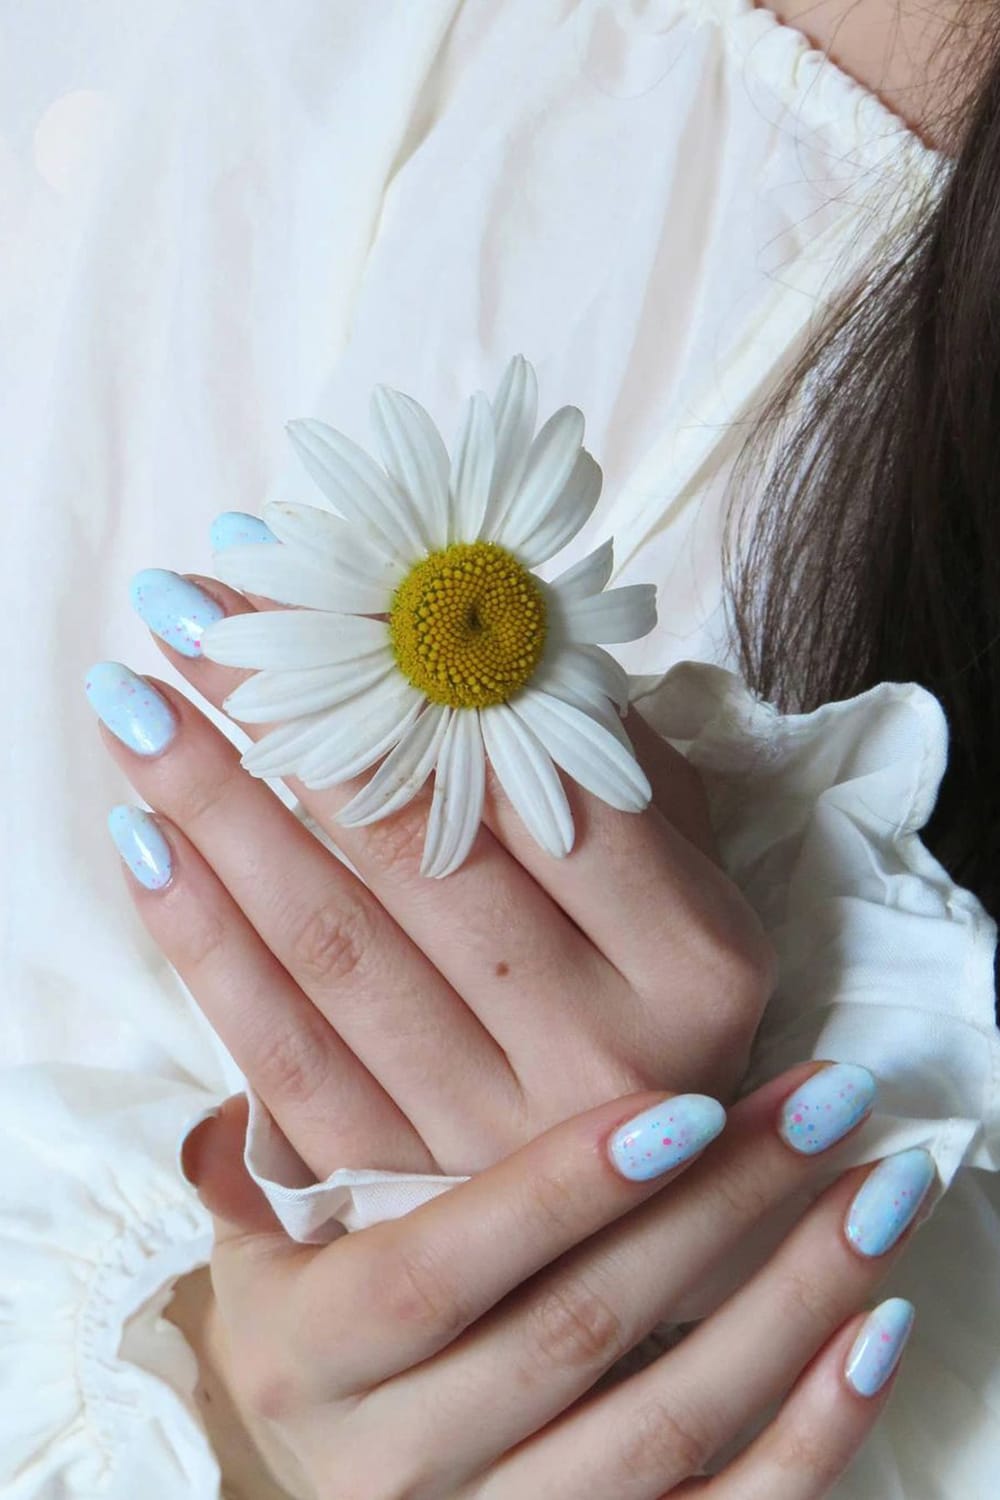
x: 217, y: 217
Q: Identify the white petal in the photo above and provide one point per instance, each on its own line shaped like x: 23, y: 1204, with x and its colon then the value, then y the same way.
x: 588, y: 576
x: 550, y: 463
x: 329, y: 541
x: 416, y: 457
x: 585, y: 750
x: 402, y: 774
x: 615, y: 674
x: 271, y: 638
x: 582, y: 675
x: 288, y: 575
x: 568, y: 513
x: 624, y: 614
x: 472, y: 471
x: 268, y: 697
x: 361, y: 731
x: 457, y: 805
x: 577, y: 677
x: 515, y: 409
x: 525, y: 771
x: 278, y: 753
x: 356, y: 486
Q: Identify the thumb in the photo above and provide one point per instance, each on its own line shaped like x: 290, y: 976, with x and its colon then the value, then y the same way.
x: 211, y: 1158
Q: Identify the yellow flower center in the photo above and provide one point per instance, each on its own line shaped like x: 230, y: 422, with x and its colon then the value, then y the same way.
x: 468, y: 625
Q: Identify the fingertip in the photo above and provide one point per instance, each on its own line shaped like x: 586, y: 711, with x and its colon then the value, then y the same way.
x: 878, y: 1347
x: 665, y: 1136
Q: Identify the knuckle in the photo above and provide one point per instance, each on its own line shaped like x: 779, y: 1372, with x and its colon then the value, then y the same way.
x: 664, y: 1442
x: 267, y: 1385
x: 330, y: 944
x: 737, y: 963
x: 200, y: 933
x: 743, y: 1194
x: 292, y: 1065
x: 418, y: 1289
x: 552, y: 1201
x: 572, y: 1327
x: 808, y: 1299
x: 397, y: 843
x: 805, y: 1454
x: 196, y: 798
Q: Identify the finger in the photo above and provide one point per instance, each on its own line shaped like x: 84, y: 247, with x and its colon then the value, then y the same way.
x: 667, y: 1423
x: 423, y: 1279
x: 644, y: 864
x: 253, y: 1260
x: 522, y: 966
x: 211, y: 1159
x: 330, y: 1108
x: 330, y: 934
x: 560, y: 1333
x: 802, y: 1453
x: 652, y: 901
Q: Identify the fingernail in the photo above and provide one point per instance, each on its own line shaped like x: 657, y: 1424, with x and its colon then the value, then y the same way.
x: 131, y: 707
x: 211, y: 1113
x: 666, y: 1135
x: 235, y: 528
x: 876, y: 1351
x: 141, y: 845
x: 887, y: 1201
x: 175, y: 609
x: 826, y: 1107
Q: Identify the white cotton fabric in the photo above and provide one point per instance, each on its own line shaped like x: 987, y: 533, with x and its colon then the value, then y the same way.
x: 219, y: 217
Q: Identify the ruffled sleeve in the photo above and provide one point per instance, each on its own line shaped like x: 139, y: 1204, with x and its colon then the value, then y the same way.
x: 96, y: 1226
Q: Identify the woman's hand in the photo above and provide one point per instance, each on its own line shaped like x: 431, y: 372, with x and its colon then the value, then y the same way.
x: 445, y: 1354
x: 431, y: 1025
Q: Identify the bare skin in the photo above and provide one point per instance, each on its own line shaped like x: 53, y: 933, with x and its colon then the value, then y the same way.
x: 905, y: 52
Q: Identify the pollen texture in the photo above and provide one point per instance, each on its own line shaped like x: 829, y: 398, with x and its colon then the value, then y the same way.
x: 468, y: 625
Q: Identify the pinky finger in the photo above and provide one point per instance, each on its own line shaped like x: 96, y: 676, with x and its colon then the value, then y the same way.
x: 824, y: 1421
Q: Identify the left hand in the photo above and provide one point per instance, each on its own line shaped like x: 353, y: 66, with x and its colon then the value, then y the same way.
x: 483, y: 1008
x: 448, y: 1354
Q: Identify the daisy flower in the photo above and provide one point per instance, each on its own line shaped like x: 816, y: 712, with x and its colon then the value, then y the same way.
x: 421, y: 639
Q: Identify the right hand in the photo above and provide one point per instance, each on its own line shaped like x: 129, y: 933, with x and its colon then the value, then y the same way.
x: 444, y: 1355
x: 419, y: 1025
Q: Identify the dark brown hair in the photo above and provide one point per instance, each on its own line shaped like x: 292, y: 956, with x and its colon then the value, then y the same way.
x: 875, y: 553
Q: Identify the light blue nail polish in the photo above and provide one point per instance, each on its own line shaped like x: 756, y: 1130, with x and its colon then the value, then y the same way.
x: 174, y: 609
x: 826, y: 1107
x: 141, y: 845
x: 666, y: 1135
x: 130, y: 707
x: 876, y: 1351
x: 235, y: 528
x: 887, y: 1201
